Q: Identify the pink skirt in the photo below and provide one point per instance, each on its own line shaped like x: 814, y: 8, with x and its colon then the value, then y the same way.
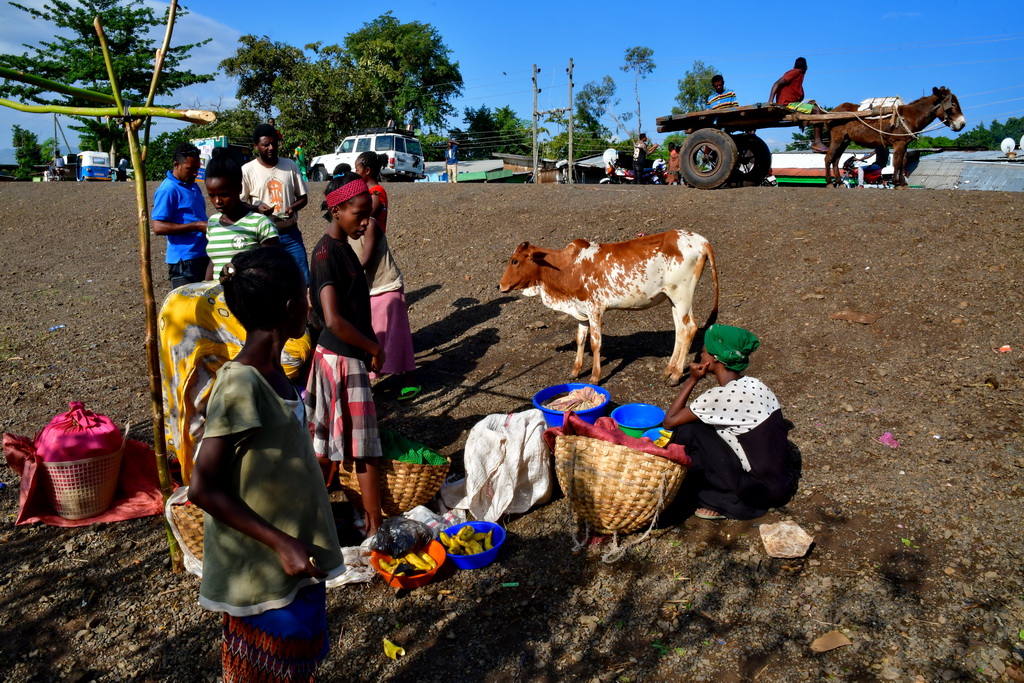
x: 389, y: 316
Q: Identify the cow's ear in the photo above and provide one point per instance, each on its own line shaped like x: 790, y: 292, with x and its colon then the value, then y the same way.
x: 538, y: 256
x: 935, y: 91
x: 523, y: 246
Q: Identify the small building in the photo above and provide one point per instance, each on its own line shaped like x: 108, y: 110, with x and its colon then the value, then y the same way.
x: 960, y: 170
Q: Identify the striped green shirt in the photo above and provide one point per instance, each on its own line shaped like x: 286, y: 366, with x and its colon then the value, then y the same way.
x: 224, y: 241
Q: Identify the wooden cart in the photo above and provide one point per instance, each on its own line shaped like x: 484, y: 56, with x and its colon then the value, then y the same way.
x: 721, y: 147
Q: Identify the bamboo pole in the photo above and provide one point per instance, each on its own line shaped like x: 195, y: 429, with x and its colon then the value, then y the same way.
x: 145, y: 267
x: 158, y: 65
x: 23, y: 77
x: 189, y: 115
x: 130, y: 120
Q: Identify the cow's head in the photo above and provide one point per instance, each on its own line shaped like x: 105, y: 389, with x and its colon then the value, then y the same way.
x: 523, y: 269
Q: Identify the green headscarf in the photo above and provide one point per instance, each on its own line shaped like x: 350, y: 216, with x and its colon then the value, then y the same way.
x: 730, y: 345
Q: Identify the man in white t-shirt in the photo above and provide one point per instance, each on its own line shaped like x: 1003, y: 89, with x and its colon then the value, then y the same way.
x: 275, y: 188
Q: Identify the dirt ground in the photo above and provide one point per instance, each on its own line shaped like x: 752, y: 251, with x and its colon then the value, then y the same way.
x: 918, y: 549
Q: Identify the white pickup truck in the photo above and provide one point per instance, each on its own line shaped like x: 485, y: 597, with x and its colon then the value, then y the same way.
x: 405, y: 155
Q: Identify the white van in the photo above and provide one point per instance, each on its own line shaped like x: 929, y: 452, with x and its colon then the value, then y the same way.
x: 402, y: 147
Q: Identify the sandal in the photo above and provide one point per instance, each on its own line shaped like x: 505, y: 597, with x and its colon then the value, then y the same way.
x: 409, y: 393
x: 708, y: 513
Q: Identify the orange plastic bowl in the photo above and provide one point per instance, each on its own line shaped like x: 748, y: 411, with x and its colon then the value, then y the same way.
x: 435, y: 550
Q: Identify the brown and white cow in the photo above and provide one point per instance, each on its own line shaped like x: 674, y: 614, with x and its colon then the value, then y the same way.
x: 584, y: 280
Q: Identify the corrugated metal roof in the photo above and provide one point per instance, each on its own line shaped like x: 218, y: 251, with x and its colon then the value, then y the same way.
x: 955, y: 170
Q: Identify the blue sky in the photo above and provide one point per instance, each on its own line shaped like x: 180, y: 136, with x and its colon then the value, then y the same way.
x: 883, y: 49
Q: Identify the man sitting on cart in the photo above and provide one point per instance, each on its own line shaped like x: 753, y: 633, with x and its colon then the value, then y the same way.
x: 789, y: 91
x: 721, y: 98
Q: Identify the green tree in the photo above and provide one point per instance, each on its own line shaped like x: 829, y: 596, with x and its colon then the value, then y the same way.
x: 597, y: 101
x: 27, y: 152
x: 258, y: 64
x: 72, y: 57
x: 694, y: 87
x: 494, y: 132
x: 237, y: 124
x: 992, y: 137
x: 409, y: 70
x: 640, y: 63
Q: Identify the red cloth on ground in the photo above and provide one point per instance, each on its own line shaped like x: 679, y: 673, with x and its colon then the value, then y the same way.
x: 138, y: 488
x: 607, y: 429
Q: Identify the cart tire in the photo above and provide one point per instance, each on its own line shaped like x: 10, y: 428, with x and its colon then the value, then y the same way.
x: 754, y: 162
x: 709, y: 157
x: 319, y: 174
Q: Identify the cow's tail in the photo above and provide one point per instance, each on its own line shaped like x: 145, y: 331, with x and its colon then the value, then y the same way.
x: 709, y: 254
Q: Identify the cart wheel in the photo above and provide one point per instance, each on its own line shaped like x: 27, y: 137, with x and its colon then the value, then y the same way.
x: 709, y: 157
x: 755, y: 160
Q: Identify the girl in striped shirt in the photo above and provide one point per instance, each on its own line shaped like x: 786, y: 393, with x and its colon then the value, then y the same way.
x: 236, y: 227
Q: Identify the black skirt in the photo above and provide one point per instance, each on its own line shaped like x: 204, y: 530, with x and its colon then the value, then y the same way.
x: 717, y: 479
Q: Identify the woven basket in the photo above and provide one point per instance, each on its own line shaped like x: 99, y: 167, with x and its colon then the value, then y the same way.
x: 188, y: 521
x: 83, y: 488
x: 614, y: 488
x: 403, y: 485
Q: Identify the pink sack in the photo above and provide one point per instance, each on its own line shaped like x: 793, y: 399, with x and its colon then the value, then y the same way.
x: 77, y: 434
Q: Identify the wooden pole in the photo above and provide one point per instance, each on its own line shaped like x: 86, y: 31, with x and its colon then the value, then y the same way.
x: 536, y: 174
x: 152, y: 347
x: 189, y: 115
x: 570, y: 120
x: 158, y: 65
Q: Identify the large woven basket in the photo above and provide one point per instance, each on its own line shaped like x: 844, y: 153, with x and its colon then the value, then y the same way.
x: 83, y: 488
x: 403, y: 485
x: 614, y: 488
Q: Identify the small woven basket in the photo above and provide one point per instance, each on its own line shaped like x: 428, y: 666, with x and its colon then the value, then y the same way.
x: 84, y: 488
x: 614, y: 488
x: 403, y: 485
x: 188, y: 522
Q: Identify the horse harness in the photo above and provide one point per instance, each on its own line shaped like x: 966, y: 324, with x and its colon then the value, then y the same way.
x: 945, y: 105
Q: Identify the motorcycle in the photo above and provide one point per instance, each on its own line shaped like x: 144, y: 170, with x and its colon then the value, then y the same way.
x: 872, y: 178
x: 619, y: 172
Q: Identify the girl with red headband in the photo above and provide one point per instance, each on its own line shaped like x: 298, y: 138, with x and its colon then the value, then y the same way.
x: 338, y: 401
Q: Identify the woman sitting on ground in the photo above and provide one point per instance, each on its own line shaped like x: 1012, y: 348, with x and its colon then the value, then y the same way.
x: 735, y: 434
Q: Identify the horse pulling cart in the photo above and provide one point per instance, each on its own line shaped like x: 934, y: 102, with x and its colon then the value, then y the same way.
x: 721, y: 147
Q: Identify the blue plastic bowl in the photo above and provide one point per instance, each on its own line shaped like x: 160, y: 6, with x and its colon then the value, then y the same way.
x: 555, y: 418
x: 480, y: 559
x: 636, y: 418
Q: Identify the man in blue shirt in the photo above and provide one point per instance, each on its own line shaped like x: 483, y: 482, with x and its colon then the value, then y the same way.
x: 451, y: 161
x: 179, y: 214
x: 721, y: 98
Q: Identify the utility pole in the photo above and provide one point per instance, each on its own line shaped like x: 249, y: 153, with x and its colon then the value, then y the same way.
x: 570, y: 121
x: 536, y: 177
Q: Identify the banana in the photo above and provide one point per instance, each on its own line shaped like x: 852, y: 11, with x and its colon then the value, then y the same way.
x: 474, y: 547
x: 489, y: 540
x: 465, y: 533
x: 428, y: 560
x: 446, y: 540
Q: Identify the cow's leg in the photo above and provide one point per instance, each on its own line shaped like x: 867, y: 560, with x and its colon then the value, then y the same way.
x: 595, y: 345
x: 686, y: 328
x: 582, y: 332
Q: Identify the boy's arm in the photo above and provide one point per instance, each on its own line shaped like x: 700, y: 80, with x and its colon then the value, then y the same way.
x: 370, y: 238
x: 206, y: 489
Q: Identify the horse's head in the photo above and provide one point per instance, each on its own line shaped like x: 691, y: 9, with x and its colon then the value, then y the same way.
x: 948, y: 108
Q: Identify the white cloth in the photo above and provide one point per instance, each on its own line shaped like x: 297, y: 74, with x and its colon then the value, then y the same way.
x: 508, y: 467
x: 735, y: 409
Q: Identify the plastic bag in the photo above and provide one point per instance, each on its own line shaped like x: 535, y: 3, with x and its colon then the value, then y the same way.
x: 436, y: 522
x: 399, y: 535
x: 76, y: 435
x: 397, y: 447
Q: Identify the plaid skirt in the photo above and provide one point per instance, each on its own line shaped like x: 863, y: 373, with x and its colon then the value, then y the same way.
x: 340, y: 409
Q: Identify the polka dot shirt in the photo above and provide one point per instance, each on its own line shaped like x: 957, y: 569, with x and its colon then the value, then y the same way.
x: 735, y: 409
